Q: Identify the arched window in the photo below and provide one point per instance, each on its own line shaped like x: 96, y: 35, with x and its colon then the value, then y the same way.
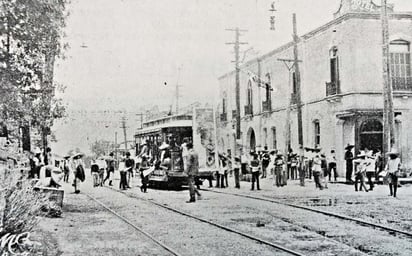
x: 400, y: 62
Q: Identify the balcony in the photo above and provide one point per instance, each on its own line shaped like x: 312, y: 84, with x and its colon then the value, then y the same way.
x: 223, y: 117
x: 332, y: 88
x: 266, y: 106
x: 402, y: 83
x: 249, y: 110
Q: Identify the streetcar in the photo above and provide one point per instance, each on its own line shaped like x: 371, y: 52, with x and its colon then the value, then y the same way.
x: 161, y: 139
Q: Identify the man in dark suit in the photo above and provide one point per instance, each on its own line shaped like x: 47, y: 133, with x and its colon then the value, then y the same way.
x: 192, y: 170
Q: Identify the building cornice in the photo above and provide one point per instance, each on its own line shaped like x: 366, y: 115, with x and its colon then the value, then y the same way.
x: 313, y: 33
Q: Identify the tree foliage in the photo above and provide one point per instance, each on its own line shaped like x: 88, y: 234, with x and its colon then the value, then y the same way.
x: 101, y: 147
x: 30, y: 41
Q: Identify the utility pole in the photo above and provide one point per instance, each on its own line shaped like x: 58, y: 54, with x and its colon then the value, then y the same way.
x: 237, y: 44
x: 177, y: 93
x: 298, y: 85
x: 124, y: 132
x: 388, y: 112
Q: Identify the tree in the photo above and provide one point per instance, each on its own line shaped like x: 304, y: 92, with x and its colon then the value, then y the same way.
x: 30, y: 40
x: 101, y: 147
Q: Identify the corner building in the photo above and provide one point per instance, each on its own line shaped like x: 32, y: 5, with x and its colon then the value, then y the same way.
x: 341, y: 88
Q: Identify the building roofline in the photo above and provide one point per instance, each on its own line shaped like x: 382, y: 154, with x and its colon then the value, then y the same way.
x: 314, y: 32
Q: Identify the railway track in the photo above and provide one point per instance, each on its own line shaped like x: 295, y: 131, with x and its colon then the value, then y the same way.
x: 127, y: 221
x: 220, y: 226
x: 391, y: 231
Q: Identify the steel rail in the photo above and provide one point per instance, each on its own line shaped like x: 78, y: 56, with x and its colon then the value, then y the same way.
x: 262, y: 241
x: 167, y: 248
x: 327, y: 213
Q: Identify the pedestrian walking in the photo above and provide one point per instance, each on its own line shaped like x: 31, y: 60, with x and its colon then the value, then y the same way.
x: 102, y: 167
x: 360, y: 170
x: 143, y: 177
x: 192, y: 170
x: 66, y: 169
x: 294, y: 162
x: 331, y: 159
x: 255, y: 169
x: 94, y: 169
x: 110, y: 169
x: 236, y: 171
x: 123, y: 178
x: 393, y: 168
x: 349, y: 163
x: 129, y: 164
x: 79, y: 174
x: 222, y: 170
x: 370, y: 168
x: 265, y: 161
x: 378, y: 164
x: 279, y: 170
x: 317, y: 171
x: 325, y: 171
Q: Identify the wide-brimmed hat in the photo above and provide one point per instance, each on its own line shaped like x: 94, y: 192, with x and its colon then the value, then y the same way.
x: 164, y: 146
x: 78, y: 155
x: 393, y: 152
x: 349, y: 147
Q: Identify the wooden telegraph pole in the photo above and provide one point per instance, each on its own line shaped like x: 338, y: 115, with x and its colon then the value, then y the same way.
x: 237, y: 44
x: 298, y: 81
x: 388, y: 112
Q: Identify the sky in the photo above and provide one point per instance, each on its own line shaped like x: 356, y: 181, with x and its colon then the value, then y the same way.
x: 122, y: 52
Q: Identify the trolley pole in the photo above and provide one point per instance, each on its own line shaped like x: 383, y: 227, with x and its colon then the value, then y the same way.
x: 388, y: 112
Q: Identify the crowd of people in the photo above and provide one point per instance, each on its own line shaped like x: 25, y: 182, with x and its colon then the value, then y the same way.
x: 364, y: 168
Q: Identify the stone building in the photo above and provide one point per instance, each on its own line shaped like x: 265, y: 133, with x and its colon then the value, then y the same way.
x: 341, y: 87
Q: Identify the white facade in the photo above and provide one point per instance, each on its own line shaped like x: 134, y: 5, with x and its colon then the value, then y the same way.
x: 344, y: 57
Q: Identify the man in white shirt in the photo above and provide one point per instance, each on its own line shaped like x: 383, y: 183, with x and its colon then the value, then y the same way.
x: 393, y: 167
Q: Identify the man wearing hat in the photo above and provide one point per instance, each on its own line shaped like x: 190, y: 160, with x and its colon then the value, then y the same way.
x: 393, y: 167
x: 360, y: 170
x: 236, y: 170
x: 255, y: 168
x: 279, y: 169
x: 110, y: 169
x: 192, y: 170
x: 349, y: 163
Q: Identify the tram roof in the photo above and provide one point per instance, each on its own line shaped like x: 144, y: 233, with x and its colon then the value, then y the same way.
x: 170, y: 124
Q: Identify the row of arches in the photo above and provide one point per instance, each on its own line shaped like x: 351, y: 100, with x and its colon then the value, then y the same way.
x: 370, y: 135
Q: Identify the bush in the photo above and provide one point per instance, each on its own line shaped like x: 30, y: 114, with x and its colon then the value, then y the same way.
x: 20, y: 205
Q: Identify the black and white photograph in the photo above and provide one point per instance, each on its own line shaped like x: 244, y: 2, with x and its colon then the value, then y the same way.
x: 205, y: 127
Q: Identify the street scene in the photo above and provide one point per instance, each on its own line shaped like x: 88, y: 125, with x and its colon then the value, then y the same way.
x: 253, y: 127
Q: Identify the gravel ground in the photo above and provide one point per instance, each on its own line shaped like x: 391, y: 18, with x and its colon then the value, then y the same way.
x: 86, y: 228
